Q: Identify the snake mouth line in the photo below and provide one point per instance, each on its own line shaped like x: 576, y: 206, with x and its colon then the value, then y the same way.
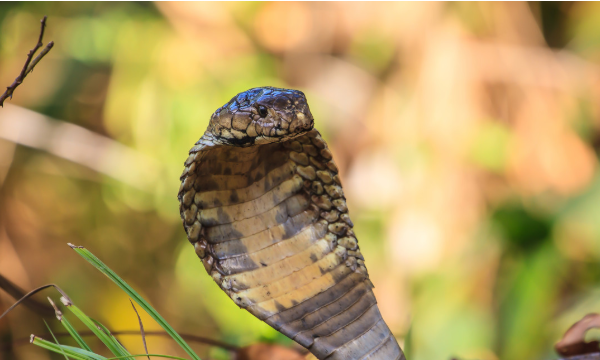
x: 247, y: 141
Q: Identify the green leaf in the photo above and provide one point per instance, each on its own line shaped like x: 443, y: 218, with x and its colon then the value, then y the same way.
x: 67, y: 325
x: 155, y: 355
x: 55, y: 340
x: 73, y: 352
x: 107, y: 332
x: 98, y: 264
x: 74, y: 334
x: 98, y: 329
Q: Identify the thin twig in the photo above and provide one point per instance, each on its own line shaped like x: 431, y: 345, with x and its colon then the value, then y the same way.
x: 39, y: 57
x: 29, y: 65
x: 54, y: 337
x: 141, y: 327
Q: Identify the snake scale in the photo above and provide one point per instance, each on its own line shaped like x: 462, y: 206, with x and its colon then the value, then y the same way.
x: 262, y: 203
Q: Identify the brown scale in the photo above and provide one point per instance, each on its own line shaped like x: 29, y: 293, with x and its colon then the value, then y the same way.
x: 262, y: 203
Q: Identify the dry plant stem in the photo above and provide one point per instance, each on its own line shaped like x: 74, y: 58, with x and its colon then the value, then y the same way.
x: 29, y: 64
x: 16, y: 292
x: 31, y: 293
x: 141, y: 327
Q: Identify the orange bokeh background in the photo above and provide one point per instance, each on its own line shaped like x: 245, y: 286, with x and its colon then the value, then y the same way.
x: 467, y: 136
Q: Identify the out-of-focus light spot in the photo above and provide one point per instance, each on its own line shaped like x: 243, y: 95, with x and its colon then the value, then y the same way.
x: 577, y: 240
x: 374, y: 180
x: 548, y: 157
x: 416, y: 242
x: 490, y: 146
x: 283, y: 26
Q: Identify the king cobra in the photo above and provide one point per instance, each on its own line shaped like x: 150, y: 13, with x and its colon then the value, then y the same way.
x: 262, y: 202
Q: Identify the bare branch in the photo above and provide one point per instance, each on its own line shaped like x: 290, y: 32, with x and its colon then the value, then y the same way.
x: 39, y: 57
x: 29, y: 65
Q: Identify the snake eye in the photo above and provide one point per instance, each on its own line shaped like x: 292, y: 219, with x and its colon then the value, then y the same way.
x: 262, y: 111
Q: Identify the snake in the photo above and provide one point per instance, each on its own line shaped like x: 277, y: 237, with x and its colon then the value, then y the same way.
x: 262, y: 203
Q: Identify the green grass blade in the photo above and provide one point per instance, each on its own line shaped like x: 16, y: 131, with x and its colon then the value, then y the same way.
x: 67, y: 325
x: 55, y: 340
x: 107, y: 332
x: 74, y: 334
x: 111, y: 343
x: 155, y: 355
x: 73, y: 352
x: 98, y: 264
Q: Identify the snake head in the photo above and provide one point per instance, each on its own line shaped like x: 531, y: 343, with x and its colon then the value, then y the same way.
x: 260, y: 116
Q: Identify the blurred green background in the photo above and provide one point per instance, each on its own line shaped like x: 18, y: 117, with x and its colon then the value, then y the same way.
x: 467, y: 136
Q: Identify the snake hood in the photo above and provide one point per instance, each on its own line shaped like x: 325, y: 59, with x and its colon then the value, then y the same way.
x: 262, y: 202
x: 260, y: 116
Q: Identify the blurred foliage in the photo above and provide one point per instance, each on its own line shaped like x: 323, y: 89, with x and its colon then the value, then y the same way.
x: 467, y: 136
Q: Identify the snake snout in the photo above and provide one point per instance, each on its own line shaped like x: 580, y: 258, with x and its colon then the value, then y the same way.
x: 302, y: 122
x: 294, y: 110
